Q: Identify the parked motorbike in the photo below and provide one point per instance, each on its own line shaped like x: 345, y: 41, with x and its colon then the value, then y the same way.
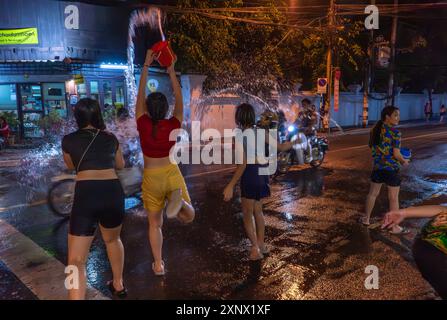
x: 61, y: 193
x: 301, y: 153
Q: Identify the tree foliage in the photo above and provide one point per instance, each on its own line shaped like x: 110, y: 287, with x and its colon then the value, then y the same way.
x: 257, y: 57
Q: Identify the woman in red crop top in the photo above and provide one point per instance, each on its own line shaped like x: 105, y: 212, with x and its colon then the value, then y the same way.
x: 163, y: 184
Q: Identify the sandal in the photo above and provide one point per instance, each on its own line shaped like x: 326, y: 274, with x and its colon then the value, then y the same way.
x: 159, y: 273
x: 375, y: 225
x: 120, y: 294
x: 372, y: 222
x: 265, y: 250
x: 259, y: 257
x: 402, y: 231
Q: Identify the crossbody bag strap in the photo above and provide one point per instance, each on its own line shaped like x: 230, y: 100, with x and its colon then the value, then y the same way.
x: 86, y: 150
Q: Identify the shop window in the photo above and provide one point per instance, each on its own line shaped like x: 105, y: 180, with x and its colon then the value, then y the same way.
x: 107, y: 90
x: 82, y: 90
x: 119, y: 101
x: 8, y: 106
x: 94, y: 90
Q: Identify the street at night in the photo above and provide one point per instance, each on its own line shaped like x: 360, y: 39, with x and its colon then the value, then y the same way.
x: 223, y: 157
x: 318, y: 248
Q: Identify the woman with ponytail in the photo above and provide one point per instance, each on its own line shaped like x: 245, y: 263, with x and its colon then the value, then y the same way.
x: 162, y: 180
x: 385, y: 144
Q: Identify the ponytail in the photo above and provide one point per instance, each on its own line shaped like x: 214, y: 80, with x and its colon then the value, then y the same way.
x: 154, y: 128
x: 375, y: 137
x: 157, y: 107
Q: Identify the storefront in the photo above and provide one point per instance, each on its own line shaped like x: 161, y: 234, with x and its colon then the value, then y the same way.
x: 56, y: 54
x: 25, y: 101
x: 30, y: 102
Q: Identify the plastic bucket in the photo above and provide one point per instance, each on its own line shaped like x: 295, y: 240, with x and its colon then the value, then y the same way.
x: 406, y: 153
x: 165, y: 54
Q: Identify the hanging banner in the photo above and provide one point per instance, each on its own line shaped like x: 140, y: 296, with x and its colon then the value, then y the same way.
x: 337, y: 77
x: 19, y: 36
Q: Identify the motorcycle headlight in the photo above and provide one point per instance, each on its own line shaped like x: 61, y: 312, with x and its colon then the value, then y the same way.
x: 291, y: 128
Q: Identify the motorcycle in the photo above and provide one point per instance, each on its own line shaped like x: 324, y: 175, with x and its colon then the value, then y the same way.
x: 61, y: 192
x: 311, y: 150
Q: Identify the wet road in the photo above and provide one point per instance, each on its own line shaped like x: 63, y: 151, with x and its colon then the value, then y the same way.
x: 318, y: 250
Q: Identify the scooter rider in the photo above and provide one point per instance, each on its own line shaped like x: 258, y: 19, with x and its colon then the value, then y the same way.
x: 305, y: 122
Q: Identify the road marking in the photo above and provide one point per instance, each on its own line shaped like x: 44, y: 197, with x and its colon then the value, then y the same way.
x: 404, y: 139
x: 208, y: 172
x: 41, y: 273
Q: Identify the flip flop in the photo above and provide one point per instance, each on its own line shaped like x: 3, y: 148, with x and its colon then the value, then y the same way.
x: 265, y: 250
x: 402, y: 231
x: 260, y: 257
x: 159, y: 273
x: 375, y: 225
x: 373, y: 221
x: 120, y: 294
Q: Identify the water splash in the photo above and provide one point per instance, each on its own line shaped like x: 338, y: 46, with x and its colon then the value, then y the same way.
x: 204, y: 103
x: 153, y: 18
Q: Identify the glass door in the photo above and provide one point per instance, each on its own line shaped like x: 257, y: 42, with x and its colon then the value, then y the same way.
x: 31, y: 105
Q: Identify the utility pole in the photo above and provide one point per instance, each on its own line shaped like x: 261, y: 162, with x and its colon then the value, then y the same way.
x: 367, y: 84
x: 391, y: 82
x: 327, y: 105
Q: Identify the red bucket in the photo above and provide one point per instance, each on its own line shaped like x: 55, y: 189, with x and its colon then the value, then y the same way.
x: 165, y: 54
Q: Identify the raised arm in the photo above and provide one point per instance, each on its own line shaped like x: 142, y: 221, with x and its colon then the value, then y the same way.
x: 140, y: 108
x: 178, y: 109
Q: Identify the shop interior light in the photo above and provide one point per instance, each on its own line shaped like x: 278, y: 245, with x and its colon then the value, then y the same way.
x: 113, y: 66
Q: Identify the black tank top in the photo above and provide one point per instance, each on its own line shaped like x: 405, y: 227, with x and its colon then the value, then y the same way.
x: 100, y: 156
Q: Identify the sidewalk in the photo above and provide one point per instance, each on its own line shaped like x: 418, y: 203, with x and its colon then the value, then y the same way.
x: 407, y: 124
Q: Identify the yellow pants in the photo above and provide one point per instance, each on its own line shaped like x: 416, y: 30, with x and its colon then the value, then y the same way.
x: 158, y: 184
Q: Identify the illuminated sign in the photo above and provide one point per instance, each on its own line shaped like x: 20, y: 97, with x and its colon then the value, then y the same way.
x: 19, y: 36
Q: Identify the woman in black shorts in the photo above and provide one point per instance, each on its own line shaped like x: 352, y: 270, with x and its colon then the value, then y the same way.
x: 99, y: 198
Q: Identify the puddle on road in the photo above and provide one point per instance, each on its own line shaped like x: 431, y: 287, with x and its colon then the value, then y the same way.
x: 437, y: 177
x: 305, y: 182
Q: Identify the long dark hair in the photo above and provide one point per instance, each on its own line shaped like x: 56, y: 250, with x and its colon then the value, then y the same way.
x: 157, y: 106
x: 245, y: 115
x: 374, y: 138
x: 87, y: 112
